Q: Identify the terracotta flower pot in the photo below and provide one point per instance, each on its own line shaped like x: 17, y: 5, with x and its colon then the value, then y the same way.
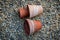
x: 35, y: 10
x: 31, y: 11
x: 23, y: 12
x: 32, y: 26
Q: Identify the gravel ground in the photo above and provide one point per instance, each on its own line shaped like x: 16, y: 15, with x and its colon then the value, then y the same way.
x: 11, y: 26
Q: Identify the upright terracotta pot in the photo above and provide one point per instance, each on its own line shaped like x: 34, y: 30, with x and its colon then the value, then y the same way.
x: 32, y: 26
x: 31, y: 11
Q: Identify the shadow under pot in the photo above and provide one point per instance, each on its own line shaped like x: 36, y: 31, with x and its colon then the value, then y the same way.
x: 32, y: 26
x: 30, y: 11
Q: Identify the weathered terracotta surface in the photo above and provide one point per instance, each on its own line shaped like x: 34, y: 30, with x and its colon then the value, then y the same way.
x: 31, y: 11
x: 32, y: 26
x: 35, y: 10
x: 38, y: 25
x: 23, y: 12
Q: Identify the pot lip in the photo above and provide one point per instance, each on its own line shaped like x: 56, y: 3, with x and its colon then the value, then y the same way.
x: 28, y: 6
x: 31, y: 26
x: 26, y: 20
x: 28, y: 10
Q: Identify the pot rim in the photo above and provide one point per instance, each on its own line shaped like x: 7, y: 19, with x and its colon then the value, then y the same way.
x: 26, y: 23
x: 31, y: 26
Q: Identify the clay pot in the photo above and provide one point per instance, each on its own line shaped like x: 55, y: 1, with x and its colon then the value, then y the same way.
x: 30, y: 11
x: 23, y: 12
x: 32, y: 26
x: 35, y: 10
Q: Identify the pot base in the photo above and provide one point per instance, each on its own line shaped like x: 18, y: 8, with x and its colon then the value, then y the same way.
x: 23, y: 12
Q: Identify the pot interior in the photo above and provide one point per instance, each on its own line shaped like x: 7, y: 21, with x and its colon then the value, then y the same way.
x: 26, y: 27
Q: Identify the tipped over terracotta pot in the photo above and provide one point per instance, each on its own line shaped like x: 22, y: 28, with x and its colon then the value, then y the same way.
x: 30, y: 11
x: 31, y: 26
